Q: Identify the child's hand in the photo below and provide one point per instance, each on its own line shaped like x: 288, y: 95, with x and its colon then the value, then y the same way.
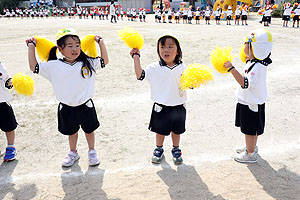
x: 135, y: 51
x: 227, y: 64
x: 31, y: 41
x: 98, y: 39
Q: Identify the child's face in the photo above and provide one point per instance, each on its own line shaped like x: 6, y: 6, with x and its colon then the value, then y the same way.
x: 168, y: 51
x: 71, y: 50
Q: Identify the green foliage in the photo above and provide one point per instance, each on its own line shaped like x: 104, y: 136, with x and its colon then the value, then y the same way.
x: 8, y: 4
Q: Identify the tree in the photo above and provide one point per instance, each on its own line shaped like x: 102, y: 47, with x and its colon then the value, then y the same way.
x: 8, y: 4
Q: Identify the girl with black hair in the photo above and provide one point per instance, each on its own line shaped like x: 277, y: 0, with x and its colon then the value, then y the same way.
x: 168, y: 113
x: 73, y: 81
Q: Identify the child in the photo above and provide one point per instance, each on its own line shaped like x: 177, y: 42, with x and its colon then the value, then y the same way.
x: 168, y: 113
x: 296, y: 17
x: 267, y: 16
x: 287, y: 14
x: 228, y: 15
x: 73, y: 81
x: 190, y: 15
x: 245, y: 15
x: 8, y: 122
x: 207, y: 15
x: 237, y: 14
x: 217, y: 14
x: 250, y: 110
x: 198, y: 15
x: 177, y: 16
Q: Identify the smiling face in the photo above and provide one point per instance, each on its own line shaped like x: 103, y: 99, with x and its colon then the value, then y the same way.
x: 70, y: 48
x: 168, y: 50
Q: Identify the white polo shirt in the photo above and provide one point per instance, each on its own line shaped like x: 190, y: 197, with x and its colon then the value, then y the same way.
x: 256, y: 92
x: 297, y: 11
x: 5, y: 95
x: 165, y: 84
x: 68, y: 84
x: 288, y: 11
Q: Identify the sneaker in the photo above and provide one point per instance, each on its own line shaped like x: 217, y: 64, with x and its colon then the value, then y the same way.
x: 242, y: 149
x: 244, y: 157
x: 10, y: 154
x: 177, y: 159
x: 71, y: 158
x: 157, y: 155
x: 93, y: 159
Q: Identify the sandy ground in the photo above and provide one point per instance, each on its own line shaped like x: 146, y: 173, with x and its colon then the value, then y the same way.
x: 124, y: 143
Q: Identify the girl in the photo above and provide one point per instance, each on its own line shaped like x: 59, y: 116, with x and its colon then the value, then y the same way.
x: 250, y: 109
x: 169, y: 113
x: 73, y: 79
x: 8, y: 122
x: 190, y: 15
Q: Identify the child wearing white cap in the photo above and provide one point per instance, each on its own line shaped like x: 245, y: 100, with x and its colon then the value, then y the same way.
x: 237, y: 14
x: 252, y: 93
x: 228, y: 15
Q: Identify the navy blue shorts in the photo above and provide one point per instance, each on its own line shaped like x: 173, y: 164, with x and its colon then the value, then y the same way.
x: 7, y: 118
x: 250, y: 122
x: 71, y: 118
x: 167, y: 119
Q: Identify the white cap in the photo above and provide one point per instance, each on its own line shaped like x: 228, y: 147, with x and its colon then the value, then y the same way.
x: 261, y: 41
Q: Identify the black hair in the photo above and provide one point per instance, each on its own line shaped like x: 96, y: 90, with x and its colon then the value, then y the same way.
x: 162, y: 40
x: 82, y: 56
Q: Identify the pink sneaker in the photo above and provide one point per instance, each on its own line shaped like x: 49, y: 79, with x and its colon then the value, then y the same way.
x: 71, y: 158
x: 93, y: 159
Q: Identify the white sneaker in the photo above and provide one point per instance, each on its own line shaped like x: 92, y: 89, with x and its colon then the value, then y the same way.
x: 71, y: 158
x: 244, y: 157
x: 242, y: 149
x: 93, y: 159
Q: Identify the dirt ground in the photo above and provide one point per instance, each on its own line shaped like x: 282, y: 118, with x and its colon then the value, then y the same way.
x: 123, y: 142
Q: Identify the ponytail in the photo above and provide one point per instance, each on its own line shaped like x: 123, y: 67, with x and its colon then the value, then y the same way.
x: 52, y: 54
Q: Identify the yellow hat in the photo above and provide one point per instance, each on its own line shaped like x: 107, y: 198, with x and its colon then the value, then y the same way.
x: 65, y: 31
x: 261, y: 41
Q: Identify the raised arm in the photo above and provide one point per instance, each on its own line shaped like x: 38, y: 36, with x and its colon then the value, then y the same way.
x: 236, y: 74
x: 135, y: 54
x: 102, y: 47
x: 31, y: 43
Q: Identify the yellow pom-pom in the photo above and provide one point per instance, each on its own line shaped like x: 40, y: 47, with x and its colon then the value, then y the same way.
x: 43, y: 47
x: 88, y: 46
x: 219, y: 56
x: 242, y: 53
x: 194, y: 76
x: 23, y: 84
x: 131, y: 37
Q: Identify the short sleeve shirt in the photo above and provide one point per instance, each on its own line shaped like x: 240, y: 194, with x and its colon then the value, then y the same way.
x: 165, y: 83
x: 5, y: 96
x: 68, y: 84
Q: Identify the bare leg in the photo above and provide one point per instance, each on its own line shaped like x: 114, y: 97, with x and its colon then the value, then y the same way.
x: 159, y: 139
x: 73, y: 141
x: 175, y: 139
x: 90, y: 138
x: 10, y: 136
x: 251, y: 141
